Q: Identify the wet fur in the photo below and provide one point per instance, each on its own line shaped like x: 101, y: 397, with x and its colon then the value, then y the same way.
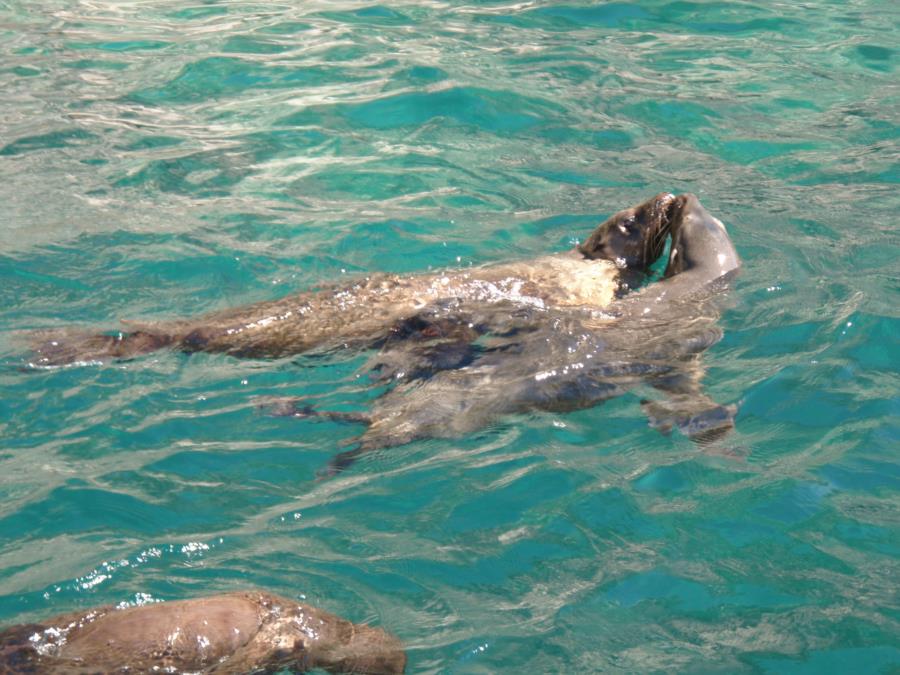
x: 364, y: 311
x: 467, y: 347
x: 242, y: 632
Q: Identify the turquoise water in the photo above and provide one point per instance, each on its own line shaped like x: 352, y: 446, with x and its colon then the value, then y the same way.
x: 164, y: 158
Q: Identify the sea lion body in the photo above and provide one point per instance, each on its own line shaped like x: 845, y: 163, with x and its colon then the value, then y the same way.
x: 245, y: 632
x: 361, y: 313
x: 358, y: 314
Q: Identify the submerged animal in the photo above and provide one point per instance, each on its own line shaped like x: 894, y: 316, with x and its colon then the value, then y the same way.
x: 374, y: 309
x: 573, y: 358
x: 463, y: 348
x: 244, y: 632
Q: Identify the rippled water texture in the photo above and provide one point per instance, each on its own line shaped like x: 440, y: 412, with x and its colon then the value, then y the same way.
x: 161, y: 158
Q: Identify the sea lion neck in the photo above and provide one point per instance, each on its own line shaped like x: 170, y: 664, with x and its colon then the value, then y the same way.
x: 700, y: 243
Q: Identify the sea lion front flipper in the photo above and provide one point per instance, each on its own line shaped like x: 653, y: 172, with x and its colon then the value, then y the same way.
x: 340, y: 462
x: 297, y: 407
x: 383, y: 432
x: 688, y: 409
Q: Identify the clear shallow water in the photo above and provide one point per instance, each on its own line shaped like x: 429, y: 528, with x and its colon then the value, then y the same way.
x: 160, y: 159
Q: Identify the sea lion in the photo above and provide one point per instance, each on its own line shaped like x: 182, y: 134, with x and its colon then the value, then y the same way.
x: 575, y: 359
x: 244, y: 632
x: 613, y: 259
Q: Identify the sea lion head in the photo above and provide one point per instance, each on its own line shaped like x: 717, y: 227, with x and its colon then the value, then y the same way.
x: 634, y: 238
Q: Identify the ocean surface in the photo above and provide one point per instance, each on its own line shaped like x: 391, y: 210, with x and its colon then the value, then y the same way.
x: 162, y: 158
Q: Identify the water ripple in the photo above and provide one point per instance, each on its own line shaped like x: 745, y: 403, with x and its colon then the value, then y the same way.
x: 161, y: 159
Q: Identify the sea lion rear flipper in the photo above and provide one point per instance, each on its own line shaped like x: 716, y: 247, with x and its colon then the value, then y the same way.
x: 688, y: 409
x: 703, y: 421
x: 58, y: 348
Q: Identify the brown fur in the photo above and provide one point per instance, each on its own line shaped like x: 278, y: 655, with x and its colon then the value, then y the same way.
x: 363, y: 312
x: 352, y: 315
x: 242, y: 632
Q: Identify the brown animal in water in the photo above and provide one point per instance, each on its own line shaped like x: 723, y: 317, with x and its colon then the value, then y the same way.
x: 565, y: 359
x: 366, y: 311
x: 245, y: 632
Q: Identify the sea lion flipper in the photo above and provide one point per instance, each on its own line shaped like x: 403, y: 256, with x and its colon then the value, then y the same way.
x: 58, y: 348
x: 703, y: 421
x: 687, y: 408
x: 297, y: 407
x: 340, y: 462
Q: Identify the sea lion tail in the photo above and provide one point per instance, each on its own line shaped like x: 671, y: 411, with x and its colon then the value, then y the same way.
x: 65, y: 347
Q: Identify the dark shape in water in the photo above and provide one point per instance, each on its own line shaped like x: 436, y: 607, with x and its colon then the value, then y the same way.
x: 246, y: 632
